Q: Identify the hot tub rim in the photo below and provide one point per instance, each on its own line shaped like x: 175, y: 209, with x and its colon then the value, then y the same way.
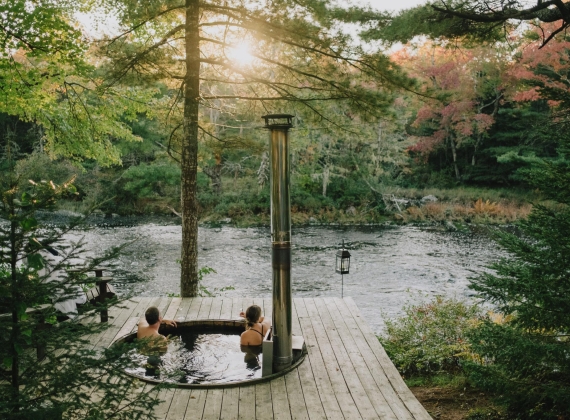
x: 209, y: 323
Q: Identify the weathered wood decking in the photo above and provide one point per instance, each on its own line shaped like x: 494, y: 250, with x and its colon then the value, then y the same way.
x: 346, y: 374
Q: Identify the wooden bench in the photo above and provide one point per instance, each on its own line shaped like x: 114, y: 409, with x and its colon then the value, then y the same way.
x: 102, y: 290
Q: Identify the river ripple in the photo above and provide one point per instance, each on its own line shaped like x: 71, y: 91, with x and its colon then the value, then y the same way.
x: 389, y: 266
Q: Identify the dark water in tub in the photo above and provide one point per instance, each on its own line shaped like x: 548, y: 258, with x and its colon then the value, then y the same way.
x: 203, y: 356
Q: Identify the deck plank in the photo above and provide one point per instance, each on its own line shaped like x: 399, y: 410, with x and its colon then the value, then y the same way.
x: 180, y: 400
x: 396, y: 381
x: 165, y: 396
x: 343, y: 393
x: 204, y: 311
x: 318, y: 374
x: 196, y: 404
x: 183, y: 310
x: 313, y: 402
x: 226, y: 311
x: 194, y: 309
x: 131, y: 324
x: 215, y: 309
x: 237, y: 307
x: 352, y: 376
x: 263, y: 403
x: 99, y: 341
x: 163, y: 304
x: 296, y: 327
x: 246, y: 410
x: 172, y: 310
x: 346, y: 349
x: 340, y: 312
x: 213, y: 405
x: 117, y: 317
x: 280, y: 399
x: 230, y: 404
x: 295, y: 395
x: 259, y: 302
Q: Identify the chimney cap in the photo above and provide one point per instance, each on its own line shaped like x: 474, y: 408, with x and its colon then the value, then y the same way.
x: 278, y: 120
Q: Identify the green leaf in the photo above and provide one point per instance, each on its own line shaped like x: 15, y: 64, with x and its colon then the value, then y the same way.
x: 27, y: 332
x: 7, y: 362
x: 36, y: 261
x: 29, y: 224
x: 26, y: 198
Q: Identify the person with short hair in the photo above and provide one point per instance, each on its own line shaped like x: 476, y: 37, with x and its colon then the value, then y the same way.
x: 256, y: 327
x: 148, y: 327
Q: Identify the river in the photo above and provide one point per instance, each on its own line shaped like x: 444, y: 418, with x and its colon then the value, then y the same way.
x: 390, y: 266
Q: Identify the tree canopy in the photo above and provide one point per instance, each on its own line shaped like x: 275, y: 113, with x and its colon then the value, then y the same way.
x: 473, y: 20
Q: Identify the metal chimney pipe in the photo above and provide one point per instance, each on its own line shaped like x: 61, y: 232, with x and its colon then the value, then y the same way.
x: 279, y: 125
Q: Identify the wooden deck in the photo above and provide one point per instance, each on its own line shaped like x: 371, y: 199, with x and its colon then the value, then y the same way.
x: 346, y: 374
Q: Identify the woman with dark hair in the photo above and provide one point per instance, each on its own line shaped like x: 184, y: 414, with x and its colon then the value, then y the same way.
x: 256, y: 326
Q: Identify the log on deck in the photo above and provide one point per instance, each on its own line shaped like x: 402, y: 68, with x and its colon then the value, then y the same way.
x: 346, y: 374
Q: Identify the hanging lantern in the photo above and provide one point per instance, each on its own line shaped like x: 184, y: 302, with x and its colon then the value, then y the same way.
x: 342, y: 260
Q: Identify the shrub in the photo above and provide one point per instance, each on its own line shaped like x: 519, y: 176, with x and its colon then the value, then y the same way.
x: 430, y: 337
x: 39, y: 166
x: 145, y: 181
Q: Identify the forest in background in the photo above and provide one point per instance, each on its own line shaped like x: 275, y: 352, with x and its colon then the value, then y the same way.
x: 466, y: 128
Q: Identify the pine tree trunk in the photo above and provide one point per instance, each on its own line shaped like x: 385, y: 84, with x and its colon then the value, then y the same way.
x: 189, y: 162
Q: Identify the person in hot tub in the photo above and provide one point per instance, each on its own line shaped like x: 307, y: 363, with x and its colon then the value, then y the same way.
x: 256, y: 327
x: 148, y: 327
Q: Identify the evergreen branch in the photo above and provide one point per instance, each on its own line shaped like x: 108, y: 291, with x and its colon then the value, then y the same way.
x: 272, y: 98
x: 144, y: 22
x: 165, y: 39
x: 541, y: 11
x: 331, y: 83
x: 257, y: 20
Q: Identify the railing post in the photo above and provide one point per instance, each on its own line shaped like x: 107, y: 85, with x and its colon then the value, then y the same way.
x: 102, y: 295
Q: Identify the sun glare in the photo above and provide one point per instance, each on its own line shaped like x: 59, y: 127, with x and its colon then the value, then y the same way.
x: 241, y: 54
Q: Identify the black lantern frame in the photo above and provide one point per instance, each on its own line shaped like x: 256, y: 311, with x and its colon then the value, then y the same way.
x: 342, y: 260
x: 342, y: 265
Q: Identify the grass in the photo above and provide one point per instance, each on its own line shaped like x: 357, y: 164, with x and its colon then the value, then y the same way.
x: 479, y: 211
x: 465, y: 195
x: 440, y: 380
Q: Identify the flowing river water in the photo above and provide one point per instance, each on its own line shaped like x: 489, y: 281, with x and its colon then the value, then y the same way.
x: 390, y: 266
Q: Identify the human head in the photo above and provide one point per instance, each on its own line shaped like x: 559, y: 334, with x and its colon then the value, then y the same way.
x: 152, y: 315
x: 252, y: 315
